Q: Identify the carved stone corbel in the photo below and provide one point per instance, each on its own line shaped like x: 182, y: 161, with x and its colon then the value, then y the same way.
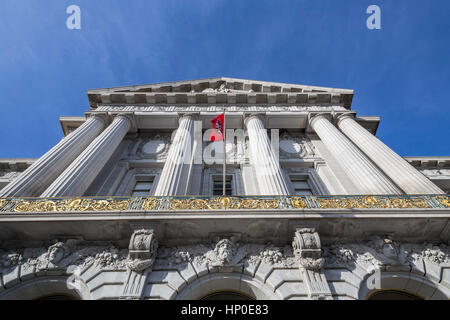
x: 142, y: 249
x: 308, y: 251
x: 141, y: 256
x: 307, y: 248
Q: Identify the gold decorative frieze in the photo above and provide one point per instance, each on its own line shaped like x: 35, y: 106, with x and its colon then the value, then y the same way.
x: 76, y: 204
x: 298, y: 203
x: 444, y: 200
x: 370, y: 202
x: 150, y: 204
x: 221, y: 203
x: 205, y: 203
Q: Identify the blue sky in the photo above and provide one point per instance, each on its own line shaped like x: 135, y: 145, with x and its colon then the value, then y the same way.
x: 400, y: 73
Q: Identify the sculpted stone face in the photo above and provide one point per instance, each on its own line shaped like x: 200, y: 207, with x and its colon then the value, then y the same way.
x: 224, y: 250
x: 55, y: 253
x: 389, y: 251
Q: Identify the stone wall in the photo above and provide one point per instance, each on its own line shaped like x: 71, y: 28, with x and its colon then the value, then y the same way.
x: 261, y: 271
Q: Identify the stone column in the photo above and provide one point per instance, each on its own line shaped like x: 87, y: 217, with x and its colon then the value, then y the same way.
x: 364, y: 174
x: 262, y: 158
x: 75, y: 180
x: 36, y: 178
x: 175, y: 175
x: 409, y: 179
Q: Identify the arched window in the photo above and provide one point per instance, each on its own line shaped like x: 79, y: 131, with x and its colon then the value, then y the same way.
x: 227, y: 295
x: 58, y: 296
x: 42, y: 288
x: 393, y: 295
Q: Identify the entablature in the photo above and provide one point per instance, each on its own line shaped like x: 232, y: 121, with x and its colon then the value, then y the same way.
x: 151, y: 117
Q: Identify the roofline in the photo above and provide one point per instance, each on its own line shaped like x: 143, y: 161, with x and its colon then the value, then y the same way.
x: 215, y: 79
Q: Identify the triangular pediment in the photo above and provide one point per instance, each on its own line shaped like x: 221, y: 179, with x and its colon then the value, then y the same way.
x: 216, y: 90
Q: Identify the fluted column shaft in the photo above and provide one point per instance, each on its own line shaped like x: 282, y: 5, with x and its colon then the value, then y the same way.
x: 36, y: 178
x: 75, y: 180
x: 363, y: 173
x: 176, y: 172
x: 409, y: 179
x: 262, y: 158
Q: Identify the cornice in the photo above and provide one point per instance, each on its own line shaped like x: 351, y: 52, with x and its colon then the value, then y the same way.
x: 16, y: 163
x: 220, y: 90
x: 220, y: 98
x: 429, y: 162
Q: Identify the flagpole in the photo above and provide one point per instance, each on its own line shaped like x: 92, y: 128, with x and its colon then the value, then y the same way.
x: 224, y: 152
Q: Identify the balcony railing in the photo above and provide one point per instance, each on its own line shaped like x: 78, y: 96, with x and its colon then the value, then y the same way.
x: 89, y: 204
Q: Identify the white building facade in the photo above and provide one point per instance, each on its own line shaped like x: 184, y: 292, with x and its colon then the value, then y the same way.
x: 130, y: 204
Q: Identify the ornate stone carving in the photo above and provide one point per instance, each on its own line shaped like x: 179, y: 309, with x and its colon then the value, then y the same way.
x: 307, y: 248
x: 142, y: 249
x: 296, y: 146
x: 9, y: 259
x: 436, y: 172
x: 381, y: 252
x: 436, y: 254
x: 62, y: 255
x: 222, y: 89
x: 226, y: 252
x: 308, y: 251
x: 221, y: 203
x: 372, y: 202
x: 9, y: 174
x: 141, y: 256
x: 154, y: 147
x: 223, y: 254
x: 213, y: 108
x: 76, y: 204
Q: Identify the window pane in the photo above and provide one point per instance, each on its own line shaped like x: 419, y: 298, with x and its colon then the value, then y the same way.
x: 301, y: 184
x: 143, y: 185
x: 140, y: 193
x: 218, y: 185
x: 302, y: 192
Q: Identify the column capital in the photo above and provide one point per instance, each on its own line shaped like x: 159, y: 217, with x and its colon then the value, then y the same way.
x: 342, y: 116
x: 130, y: 116
x: 102, y: 116
x: 314, y: 116
x: 259, y: 115
x: 193, y: 115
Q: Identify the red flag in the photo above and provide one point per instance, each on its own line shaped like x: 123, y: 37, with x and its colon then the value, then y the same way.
x: 217, y: 132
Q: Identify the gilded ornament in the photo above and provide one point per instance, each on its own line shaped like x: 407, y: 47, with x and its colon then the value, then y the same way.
x: 222, y: 203
x: 444, y: 200
x: 406, y: 203
x: 298, y: 203
x: 76, y: 204
x: 3, y: 202
x: 150, y: 204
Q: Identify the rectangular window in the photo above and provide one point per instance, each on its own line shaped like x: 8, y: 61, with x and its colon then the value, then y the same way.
x: 218, y: 185
x: 301, y: 186
x: 142, y: 188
